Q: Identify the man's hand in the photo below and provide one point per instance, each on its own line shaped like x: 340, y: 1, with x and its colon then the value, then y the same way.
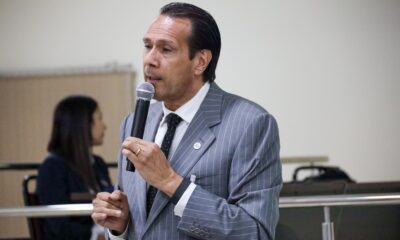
x: 152, y: 164
x: 111, y: 210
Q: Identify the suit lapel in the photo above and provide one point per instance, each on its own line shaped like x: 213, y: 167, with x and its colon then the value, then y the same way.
x: 153, y: 120
x: 195, y: 142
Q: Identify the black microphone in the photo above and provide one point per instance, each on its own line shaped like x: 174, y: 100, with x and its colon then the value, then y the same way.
x: 145, y: 93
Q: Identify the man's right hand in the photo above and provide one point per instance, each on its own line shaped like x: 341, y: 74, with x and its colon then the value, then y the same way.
x: 111, y: 210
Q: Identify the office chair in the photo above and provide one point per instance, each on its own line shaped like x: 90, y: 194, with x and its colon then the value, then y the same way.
x: 31, y: 199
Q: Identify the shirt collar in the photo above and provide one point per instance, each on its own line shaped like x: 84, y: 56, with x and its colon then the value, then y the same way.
x: 189, y: 109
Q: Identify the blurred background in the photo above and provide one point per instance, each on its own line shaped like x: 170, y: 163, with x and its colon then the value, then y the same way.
x: 327, y: 70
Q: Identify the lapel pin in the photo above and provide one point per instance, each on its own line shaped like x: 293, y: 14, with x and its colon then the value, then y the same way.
x: 197, y: 145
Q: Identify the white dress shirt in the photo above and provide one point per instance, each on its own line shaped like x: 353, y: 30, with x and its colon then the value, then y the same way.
x: 186, y: 112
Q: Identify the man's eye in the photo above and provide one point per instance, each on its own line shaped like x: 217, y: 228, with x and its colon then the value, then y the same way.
x: 147, y: 46
x: 167, y: 50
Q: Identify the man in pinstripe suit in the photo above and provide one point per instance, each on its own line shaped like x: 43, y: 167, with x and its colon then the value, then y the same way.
x: 223, y: 175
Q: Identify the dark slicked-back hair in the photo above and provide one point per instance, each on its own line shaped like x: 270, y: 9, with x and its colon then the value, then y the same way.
x: 205, y: 33
x: 71, y: 135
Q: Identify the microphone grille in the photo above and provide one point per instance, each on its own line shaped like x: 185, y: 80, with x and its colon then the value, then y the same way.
x: 145, y: 91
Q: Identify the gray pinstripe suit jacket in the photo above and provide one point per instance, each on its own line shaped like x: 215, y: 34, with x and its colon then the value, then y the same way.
x: 237, y: 168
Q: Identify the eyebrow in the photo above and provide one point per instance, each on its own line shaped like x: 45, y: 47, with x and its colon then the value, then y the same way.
x: 160, y: 41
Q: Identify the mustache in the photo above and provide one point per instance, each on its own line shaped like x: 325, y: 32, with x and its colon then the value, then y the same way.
x: 152, y: 75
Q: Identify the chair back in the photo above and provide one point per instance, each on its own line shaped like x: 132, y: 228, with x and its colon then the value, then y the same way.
x: 31, y: 199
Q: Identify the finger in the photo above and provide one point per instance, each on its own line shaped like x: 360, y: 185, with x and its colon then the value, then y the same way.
x: 131, y: 141
x: 102, y: 195
x: 106, y: 199
x: 102, y: 212
x: 129, y: 154
x: 110, y: 204
x: 135, y: 140
x: 132, y: 146
x: 126, y: 143
x: 99, y: 218
x: 118, y: 195
x: 118, y: 199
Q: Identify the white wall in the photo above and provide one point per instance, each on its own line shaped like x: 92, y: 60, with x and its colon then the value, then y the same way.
x: 328, y: 70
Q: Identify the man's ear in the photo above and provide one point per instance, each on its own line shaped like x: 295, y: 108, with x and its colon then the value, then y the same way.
x: 203, y: 58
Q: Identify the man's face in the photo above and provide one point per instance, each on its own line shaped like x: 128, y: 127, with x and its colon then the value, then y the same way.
x: 166, y: 62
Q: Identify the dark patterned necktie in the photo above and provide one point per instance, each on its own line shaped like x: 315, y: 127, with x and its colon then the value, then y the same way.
x: 172, y: 122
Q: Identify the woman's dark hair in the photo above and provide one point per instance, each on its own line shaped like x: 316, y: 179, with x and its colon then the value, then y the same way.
x: 71, y: 136
x: 205, y: 33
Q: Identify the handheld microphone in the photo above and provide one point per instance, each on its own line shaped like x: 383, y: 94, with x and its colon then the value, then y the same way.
x: 145, y: 93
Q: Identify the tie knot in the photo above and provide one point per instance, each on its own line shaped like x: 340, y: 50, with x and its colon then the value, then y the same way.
x: 173, y: 120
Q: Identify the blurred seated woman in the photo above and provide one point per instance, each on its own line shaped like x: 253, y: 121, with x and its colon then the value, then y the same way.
x: 71, y: 167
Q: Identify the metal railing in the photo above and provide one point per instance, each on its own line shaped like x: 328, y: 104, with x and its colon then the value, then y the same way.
x: 325, y: 202
x: 337, y: 200
x: 8, y: 166
x: 48, y: 210
x: 34, y: 165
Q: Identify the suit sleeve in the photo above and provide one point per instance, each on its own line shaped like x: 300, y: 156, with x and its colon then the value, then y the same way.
x: 251, y: 210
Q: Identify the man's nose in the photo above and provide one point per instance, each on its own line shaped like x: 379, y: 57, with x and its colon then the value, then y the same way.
x: 151, y: 58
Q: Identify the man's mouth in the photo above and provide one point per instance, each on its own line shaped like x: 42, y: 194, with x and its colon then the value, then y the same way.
x: 152, y: 79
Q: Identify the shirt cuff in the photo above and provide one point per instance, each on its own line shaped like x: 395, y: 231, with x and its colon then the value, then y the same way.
x: 181, y: 205
x: 122, y: 236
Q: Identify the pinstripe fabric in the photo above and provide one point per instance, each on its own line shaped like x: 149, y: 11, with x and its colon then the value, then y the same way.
x: 237, y: 168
